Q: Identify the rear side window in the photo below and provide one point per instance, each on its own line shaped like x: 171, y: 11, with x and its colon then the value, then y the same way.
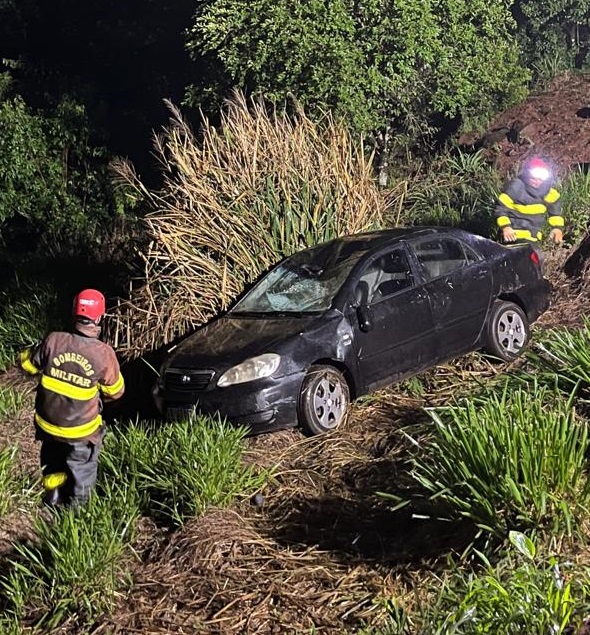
x: 441, y: 256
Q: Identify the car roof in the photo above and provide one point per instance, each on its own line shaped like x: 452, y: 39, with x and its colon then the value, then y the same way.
x: 355, y: 247
x: 372, y: 241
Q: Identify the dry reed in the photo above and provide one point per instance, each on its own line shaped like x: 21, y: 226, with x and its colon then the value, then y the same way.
x: 234, y: 201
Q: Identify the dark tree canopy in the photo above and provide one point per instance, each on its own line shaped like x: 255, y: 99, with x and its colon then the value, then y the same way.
x: 373, y: 63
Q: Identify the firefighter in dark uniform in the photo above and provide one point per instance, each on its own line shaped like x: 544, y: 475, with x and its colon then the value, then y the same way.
x: 77, y: 371
x: 527, y: 204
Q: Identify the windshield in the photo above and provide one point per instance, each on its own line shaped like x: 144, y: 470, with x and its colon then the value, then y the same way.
x: 305, y: 282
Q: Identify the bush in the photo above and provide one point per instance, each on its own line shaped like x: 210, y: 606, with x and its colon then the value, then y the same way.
x: 77, y: 566
x: 561, y: 357
x: 28, y: 313
x: 513, y: 459
x: 458, y: 190
x: 55, y: 189
x: 180, y: 469
x: 523, y: 593
x: 374, y: 64
x: 575, y: 197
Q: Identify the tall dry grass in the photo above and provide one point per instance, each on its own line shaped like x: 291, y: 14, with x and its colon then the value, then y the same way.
x: 236, y: 199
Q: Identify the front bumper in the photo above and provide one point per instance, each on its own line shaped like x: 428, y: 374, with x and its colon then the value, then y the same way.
x: 261, y: 405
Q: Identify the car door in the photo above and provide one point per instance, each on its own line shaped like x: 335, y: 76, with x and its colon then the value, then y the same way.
x: 459, y: 285
x: 399, y: 336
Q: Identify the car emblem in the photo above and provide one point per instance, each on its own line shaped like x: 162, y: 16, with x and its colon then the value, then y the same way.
x: 185, y: 379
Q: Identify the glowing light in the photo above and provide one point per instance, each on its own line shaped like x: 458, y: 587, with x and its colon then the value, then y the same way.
x: 540, y: 173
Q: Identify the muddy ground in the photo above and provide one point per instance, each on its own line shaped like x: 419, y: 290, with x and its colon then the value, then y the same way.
x: 554, y: 123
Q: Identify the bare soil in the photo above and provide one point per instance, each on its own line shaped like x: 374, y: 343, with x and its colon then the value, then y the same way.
x: 554, y: 123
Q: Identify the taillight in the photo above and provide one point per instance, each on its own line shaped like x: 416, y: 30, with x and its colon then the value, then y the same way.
x: 535, y: 257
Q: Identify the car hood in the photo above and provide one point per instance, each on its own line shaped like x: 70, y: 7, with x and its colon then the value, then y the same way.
x: 232, y: 339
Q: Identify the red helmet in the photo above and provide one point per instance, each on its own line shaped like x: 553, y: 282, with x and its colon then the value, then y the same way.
x: 90, y: 304
x: 536, y: 168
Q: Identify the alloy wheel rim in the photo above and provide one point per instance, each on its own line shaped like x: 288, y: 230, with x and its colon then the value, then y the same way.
x: 511, y: 331
x: 329, y: 402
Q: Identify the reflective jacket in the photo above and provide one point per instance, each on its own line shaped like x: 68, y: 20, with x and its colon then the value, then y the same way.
x: 527, y: 210
x: 76, y: 369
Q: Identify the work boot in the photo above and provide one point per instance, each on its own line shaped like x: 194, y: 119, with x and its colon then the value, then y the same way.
x: 52, y: 484
x: 52, y: 497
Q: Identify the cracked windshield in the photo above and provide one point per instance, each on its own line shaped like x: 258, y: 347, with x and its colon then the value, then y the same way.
x: 305, y: 282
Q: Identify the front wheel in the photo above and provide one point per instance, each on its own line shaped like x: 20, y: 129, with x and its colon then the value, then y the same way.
x: 507, y: 331
x: 324, y: 400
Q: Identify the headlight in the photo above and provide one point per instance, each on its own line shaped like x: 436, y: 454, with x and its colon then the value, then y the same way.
x: 253, y: 368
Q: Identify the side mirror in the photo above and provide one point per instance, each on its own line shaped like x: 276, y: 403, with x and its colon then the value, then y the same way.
x: 364, y: 315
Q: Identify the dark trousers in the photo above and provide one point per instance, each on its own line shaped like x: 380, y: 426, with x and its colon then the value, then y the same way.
x: 78, y: 460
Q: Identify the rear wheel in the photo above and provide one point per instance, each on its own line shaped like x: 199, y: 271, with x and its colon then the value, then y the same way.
x: 324, y: 400
x: 508, y: 331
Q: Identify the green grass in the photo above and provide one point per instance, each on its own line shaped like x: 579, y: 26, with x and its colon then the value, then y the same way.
x: 180, y: 469
x: 11, y: 625
x: 11, y: 401
x: 79, y: 562
x: 77, y: 565
x: 575, y: 197
x: 27, y: 315
x: 521, y: 593
x: 14, y: 486
x: 458, y: 189
x: 561, y: 357
x: 511, y: 459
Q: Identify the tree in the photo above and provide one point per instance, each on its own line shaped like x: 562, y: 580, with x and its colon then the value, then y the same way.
x: 53, y: 183
x: 376, y: 63
x: 119, y: 59
x: 555, y: 34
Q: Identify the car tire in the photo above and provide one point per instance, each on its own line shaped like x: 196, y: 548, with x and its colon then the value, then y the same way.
x: 323, y: 400
x: 507, y: 331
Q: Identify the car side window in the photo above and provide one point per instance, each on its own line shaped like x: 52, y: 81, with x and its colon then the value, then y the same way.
x: 385, y: 276
x: 441, y: 256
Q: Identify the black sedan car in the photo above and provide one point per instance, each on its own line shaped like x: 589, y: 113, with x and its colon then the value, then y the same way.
x: 346, y: 317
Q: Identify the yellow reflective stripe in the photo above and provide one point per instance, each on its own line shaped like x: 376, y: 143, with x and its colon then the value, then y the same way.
x: 537, y: 208
x: 552, y: 196
x: 26, y: 363
x: 67, y: 390
x: 73, y: 432
x: 534, y: 208
x: 503, y: 221
x: 556, y: 221
x: 114, y: 388
x: 53, y: 481
x: 525, y: 233
x: 506, y: 200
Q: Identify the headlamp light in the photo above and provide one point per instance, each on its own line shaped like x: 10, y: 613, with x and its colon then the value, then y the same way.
x: 251, y: 369
x: 540, y: 173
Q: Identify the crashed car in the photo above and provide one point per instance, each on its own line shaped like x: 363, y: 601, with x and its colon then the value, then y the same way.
x: 349, y: 316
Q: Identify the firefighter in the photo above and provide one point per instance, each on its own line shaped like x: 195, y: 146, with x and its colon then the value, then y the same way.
x: 77, y: 371
x: 527, y: 204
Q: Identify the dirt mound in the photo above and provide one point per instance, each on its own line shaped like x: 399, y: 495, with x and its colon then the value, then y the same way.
x: 555, y: 123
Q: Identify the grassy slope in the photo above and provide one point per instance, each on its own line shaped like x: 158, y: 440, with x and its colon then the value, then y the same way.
x: 322, y: 552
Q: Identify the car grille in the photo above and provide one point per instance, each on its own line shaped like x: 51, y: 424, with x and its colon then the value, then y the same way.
x: 186, y: 380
